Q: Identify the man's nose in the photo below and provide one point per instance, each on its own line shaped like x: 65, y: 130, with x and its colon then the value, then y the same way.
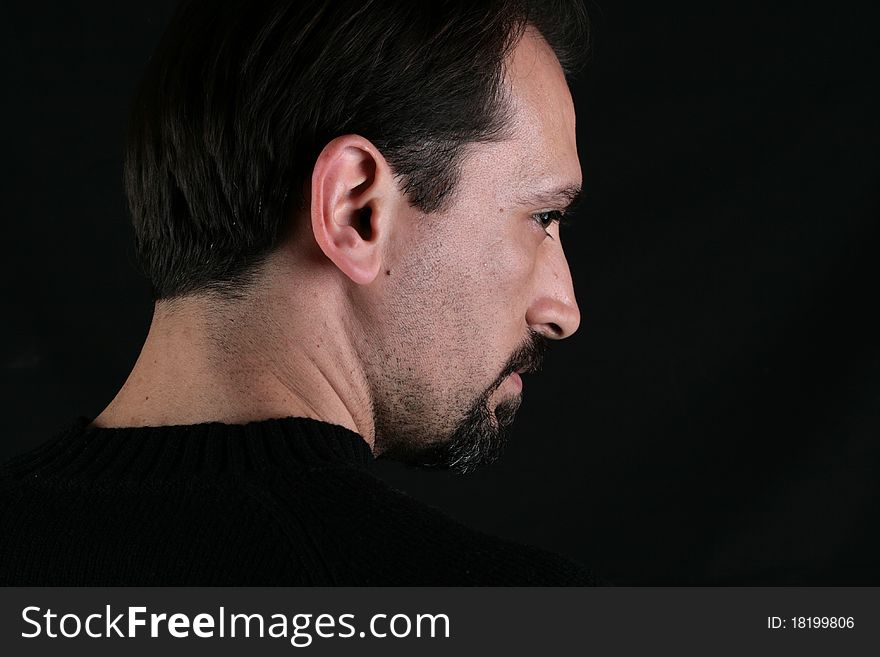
x: 554, y: 311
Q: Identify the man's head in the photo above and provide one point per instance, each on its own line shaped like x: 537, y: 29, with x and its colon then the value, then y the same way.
x: 416, y: 155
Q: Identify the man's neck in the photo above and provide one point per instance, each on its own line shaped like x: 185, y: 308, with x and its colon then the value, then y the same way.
x: 238, y: 364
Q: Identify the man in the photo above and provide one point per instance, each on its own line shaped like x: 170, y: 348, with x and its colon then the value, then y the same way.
x: 348, y: 213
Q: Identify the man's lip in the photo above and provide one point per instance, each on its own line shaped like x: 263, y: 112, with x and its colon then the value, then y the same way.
x: 516, y: 380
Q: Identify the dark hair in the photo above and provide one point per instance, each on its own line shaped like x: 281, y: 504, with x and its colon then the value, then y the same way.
x: 241, y: 96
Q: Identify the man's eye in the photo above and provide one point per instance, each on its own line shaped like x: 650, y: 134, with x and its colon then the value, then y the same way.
x: 547, y: 217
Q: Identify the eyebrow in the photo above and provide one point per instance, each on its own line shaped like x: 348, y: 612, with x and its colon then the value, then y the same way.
x: 562, y: 197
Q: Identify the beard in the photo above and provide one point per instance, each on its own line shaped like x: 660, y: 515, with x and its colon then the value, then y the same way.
x: 480, y: 436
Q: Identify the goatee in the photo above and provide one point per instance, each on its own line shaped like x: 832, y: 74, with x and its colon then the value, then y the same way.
x: 479, y: 439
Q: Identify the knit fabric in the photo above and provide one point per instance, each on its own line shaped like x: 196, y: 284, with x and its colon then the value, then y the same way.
x: 280, y: 502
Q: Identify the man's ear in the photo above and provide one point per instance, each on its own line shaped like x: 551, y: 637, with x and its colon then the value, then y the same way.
x: 352, y: 196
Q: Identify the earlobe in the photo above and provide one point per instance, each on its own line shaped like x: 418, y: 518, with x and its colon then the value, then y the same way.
x: 350, y: 195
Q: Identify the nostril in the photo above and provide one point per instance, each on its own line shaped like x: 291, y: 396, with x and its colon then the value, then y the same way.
x: 555, y: 330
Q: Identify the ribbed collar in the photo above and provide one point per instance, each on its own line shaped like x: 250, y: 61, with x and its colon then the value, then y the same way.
x: 211, y: 448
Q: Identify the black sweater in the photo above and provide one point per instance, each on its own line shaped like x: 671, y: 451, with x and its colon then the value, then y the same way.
x: 277, y: 502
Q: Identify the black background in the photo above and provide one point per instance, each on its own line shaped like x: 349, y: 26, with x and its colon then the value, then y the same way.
x: 714, y: 421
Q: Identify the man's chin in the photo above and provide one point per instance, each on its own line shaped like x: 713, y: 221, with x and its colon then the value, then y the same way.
x: 505, y: 412
x: 477, y: 441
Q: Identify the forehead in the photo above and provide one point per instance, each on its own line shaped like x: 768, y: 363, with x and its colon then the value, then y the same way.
x: 540, y: 151
x: 543, y: 117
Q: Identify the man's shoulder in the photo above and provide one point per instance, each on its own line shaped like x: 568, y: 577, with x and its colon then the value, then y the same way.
x: 389, y: 537
x: 328, y: 525
x: 97, y: 530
